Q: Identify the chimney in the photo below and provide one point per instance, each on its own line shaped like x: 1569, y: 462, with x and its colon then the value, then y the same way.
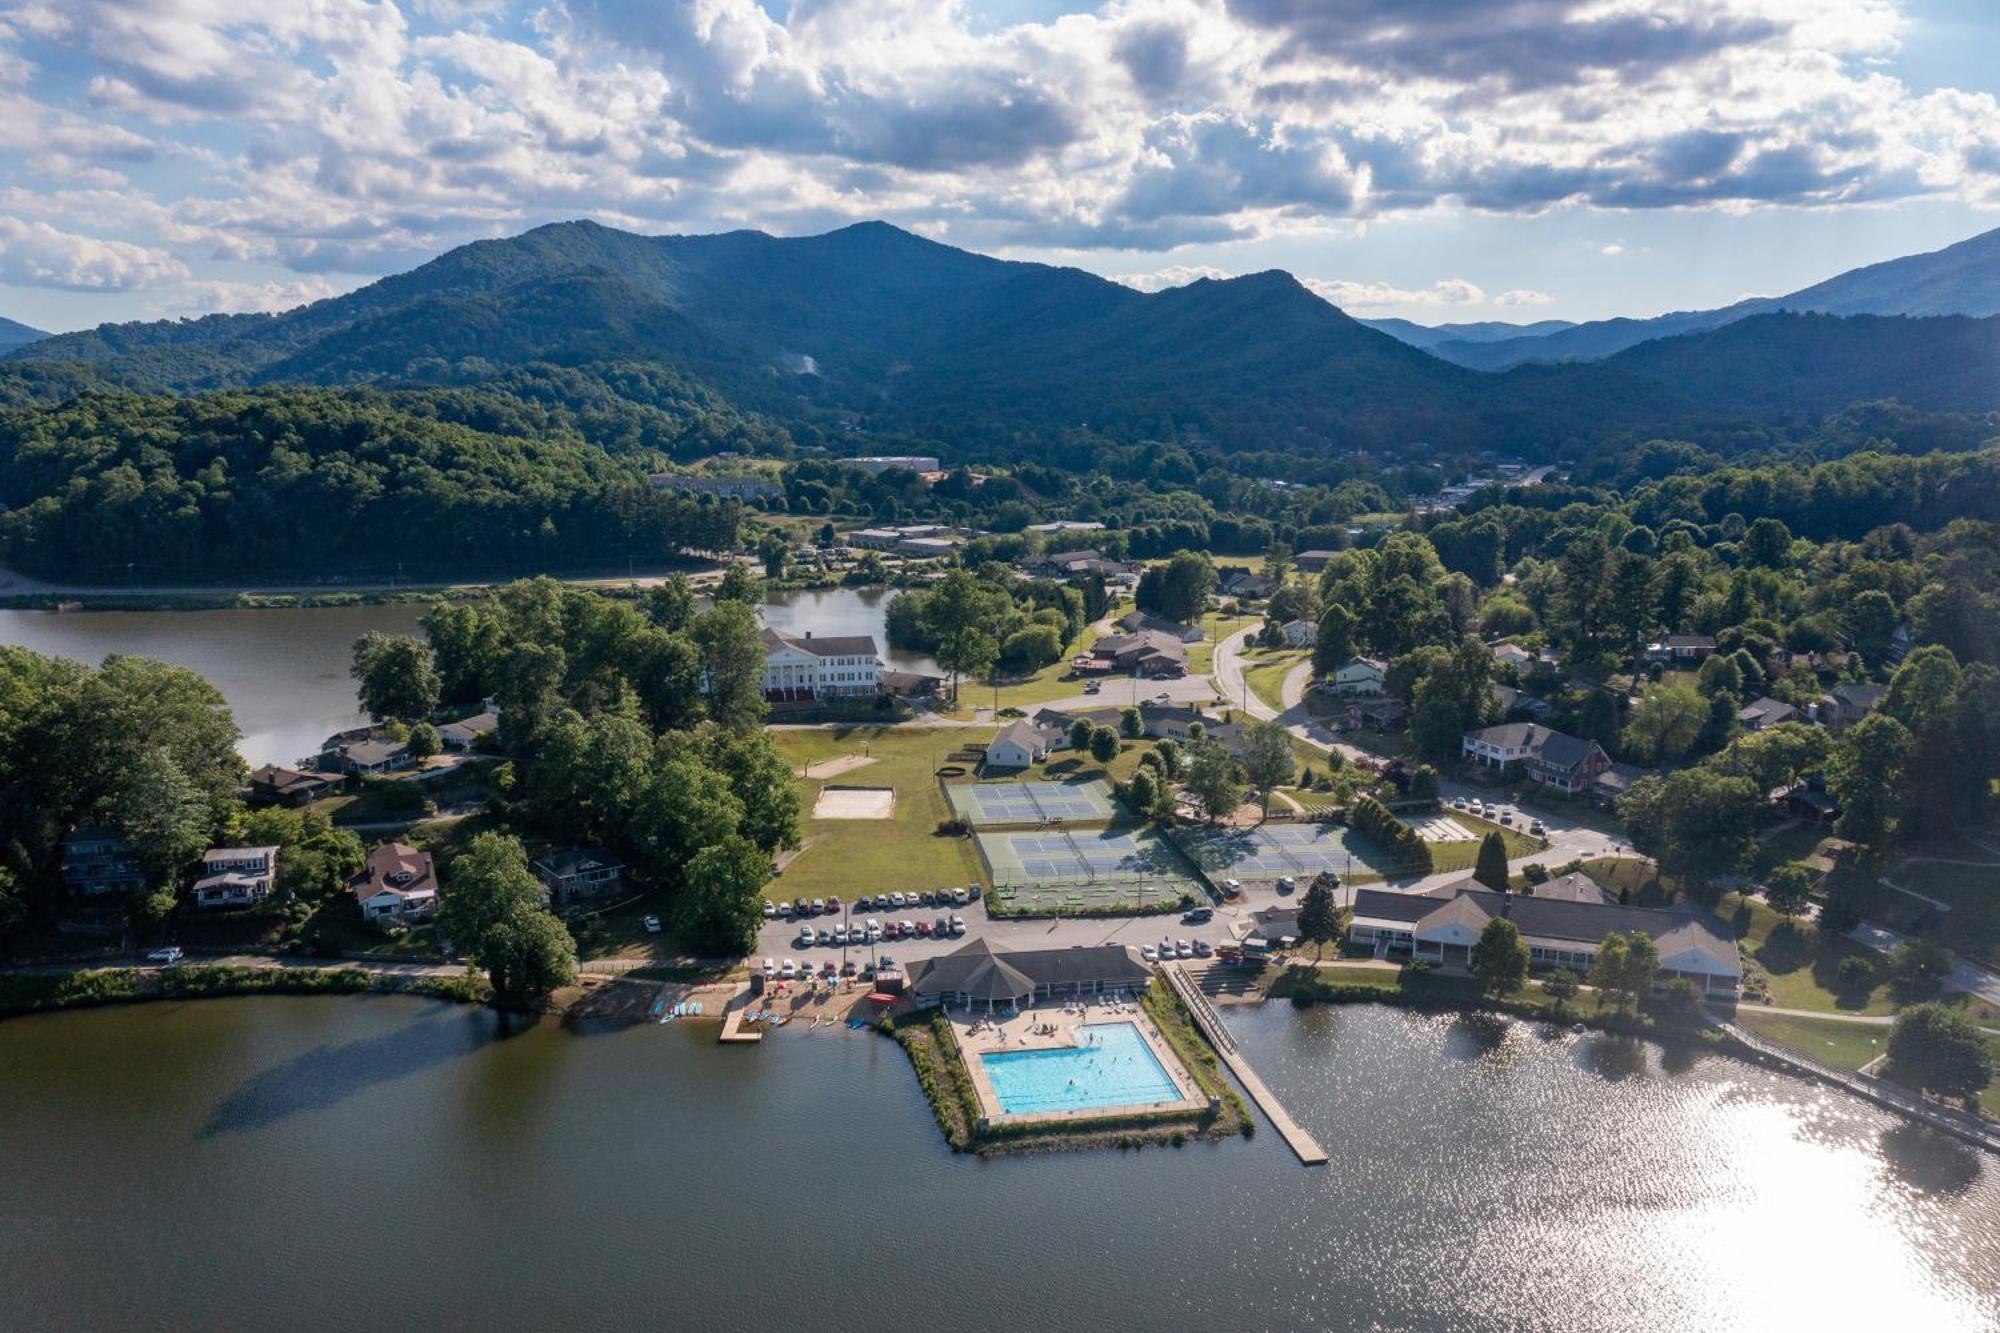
x: 809, y: 634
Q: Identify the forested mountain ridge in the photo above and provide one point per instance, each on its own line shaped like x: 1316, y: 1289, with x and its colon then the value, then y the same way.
x: 1961, y: 279
x: 14, y: 334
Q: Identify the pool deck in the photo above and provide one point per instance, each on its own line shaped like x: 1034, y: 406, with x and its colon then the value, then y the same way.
x: 1018, y: 1034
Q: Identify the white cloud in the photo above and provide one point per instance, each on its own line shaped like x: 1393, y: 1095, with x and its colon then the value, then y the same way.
x: 1612, y: 249
x: 1375, y: 295
x: 232, y: 298
x: 1173, y: 275
x: 1521, y: 296
x: 353, y: 136
x: 34, y: 254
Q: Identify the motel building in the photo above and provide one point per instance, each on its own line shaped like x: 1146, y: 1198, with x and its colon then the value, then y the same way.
x: 1442, y: 926
x: 803, y: 669
x: 977, y: 974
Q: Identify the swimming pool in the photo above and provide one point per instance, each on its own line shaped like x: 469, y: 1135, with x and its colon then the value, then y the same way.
x: 1113, y: 1067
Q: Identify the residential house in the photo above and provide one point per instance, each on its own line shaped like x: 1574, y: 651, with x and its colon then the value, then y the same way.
x: 1060, y: 564
x: 1062, y: 525
x: 1566, y: 763
x: 378, y: 754
x: 1241, y: 583
x: 278, y: 785
x: 804, y: 669
x: 1149, y: 653
x: 1299, y: 633
x: 1680, y: 649
x: 236, y: 876
x: 1615, y: 781
x: 1383, y: 712
x: 1560, y: 931
x: 580, y: 872
x: 1766, y: 712
x: 876, y: 463
x: 97, y: 861
x: 397, y: 885
x: 1022, y: 743
x: 1359, y: 676
x: 1517, y: 705
x: 1848, y: 703
x: 977, y: 973
x: 1175, y: 722
x: 1138, y: 622
x: 1523, y: 660
x: 1313, y: 562
x: 467, y: 732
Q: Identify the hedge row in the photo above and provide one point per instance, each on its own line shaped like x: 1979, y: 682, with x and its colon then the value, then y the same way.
x: 1378, y: 823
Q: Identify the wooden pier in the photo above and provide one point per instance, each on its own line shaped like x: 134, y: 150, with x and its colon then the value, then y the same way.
x: 1294, y: 1134
x: 732, y: 1020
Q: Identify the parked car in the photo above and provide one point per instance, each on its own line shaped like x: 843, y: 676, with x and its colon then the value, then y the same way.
x: 959, y: 898
x: 1539, y: 829
x: 1183, y: 949
x: 819, y: 906
x: 1202, y: 949
x: 806, y: 937
x: 895, y: 900
x: 170, y: 954
x: 849, y: 968
x: 652, y: 924
x: 924, y: 929
x: 957, y: 924
x: 770, y: 967
x: 1232, y: 888
x: 1507, y: 818
x: 1194, y: 916
x: 833, y: 906
x: 770, y: 909
x: 825, y: 937
x: 788, y: 969
x: 908, y: 927
x: 1286, y: 884
x: 1149, y: 953
x: 840, y: 935
x: 972, y: 889
x: 1093, y: 687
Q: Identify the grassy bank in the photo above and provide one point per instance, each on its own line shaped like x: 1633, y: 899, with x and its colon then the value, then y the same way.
x: 29, y: 993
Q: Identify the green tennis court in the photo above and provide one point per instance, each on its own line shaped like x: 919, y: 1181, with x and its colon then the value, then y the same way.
x: 1082, y: 856
x: 999, y: 804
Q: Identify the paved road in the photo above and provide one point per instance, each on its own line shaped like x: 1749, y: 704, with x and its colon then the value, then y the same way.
x: 1966, y: 975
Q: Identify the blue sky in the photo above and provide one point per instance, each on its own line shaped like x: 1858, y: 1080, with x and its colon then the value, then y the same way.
x: 1435, y: 159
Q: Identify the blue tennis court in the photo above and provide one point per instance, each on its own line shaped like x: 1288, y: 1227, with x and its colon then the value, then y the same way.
x: 996, y: 804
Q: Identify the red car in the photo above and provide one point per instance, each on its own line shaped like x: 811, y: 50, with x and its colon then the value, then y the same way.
x: 924, y: 928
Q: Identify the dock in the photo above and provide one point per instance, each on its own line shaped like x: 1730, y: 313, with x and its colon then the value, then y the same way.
x: 732, y: 1020
x: 1303, y: 1144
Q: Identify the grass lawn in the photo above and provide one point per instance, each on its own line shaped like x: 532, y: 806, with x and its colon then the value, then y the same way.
x: 1828, y: 1040
x: 1389, y: 745
x: 1265, y: 671
x: 1972, y: 927
x: 905, y: 851
x: 1465, y: 855
x: 1800, y: 962
x: 1794, y: 844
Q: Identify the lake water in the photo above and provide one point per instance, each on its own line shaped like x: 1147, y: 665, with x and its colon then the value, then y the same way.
x: 380, y: 1162
x: 284, y: 671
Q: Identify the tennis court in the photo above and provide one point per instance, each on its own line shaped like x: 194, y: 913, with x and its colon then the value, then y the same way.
x: 1083, y: 856
x: 1272, y: 851
x: 997, y: 804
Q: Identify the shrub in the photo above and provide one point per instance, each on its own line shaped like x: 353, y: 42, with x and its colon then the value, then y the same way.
x: 1854, y: 972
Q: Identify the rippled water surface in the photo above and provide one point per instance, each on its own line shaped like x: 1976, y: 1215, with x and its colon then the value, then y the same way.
x: 384, y: 1163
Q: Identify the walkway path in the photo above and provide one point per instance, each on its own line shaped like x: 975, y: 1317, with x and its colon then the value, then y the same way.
x: 1294, y: 1134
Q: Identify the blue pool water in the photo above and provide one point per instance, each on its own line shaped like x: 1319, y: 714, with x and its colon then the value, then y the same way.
x: 1114, y: 1068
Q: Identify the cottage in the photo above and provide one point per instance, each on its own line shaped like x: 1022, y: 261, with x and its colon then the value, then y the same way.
x: 1313, y: 562
x: 1560, y: 931
x: 1766, y: 712
x: 1567, y: 763
x: 376, y: 755
x: 1139, y: 622
x: 1848, y: 703
x: 1299, y: 633
x: 1516, y: 705
x: 397, y: 885
x: 98, y: 862
x: 804, y: 669
x: 235, y: 876
x: 1385, y: 713
x: 1615, y: 781
x: 1022, y: 743
x: 1681, y: 648
x: 275, y: 784
x: 1523, y: 660
x: 1359, y: 676
x: 977, y: 973
x: 578, y: 873
x: 467, y: 732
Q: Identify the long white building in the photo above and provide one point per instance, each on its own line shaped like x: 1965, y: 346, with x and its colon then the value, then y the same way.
x: 803, y: 669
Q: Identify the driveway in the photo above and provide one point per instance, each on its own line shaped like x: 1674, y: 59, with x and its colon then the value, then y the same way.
x: 1966, y: 975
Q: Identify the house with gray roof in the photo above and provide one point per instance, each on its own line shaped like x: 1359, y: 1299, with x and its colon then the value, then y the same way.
x: 802, y: 668
x: 1559, y: 930
x: 1847, y: 703
x: 1555, y: 759
x: 1766, y: 712
x: 978, y: 974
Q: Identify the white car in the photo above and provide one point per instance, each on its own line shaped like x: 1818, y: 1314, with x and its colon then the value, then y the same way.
x: 1182, y: 949
x: 788, y: 970
x: 874, y: 930
x: 897, y: 900
x: 959, y: 897
x: 170, y: 954
x: 806, y: 938
x: 770, y: 909
x: 1149, y: 953
x: 957, y: 924
x: 770, y: 967
x: 840, y: 935
x: 819, y: 906
x: 652, y: 924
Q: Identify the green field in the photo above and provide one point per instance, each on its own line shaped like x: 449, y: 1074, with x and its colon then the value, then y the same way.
x: 1265, y: 672
x: 1973, y: 925
x: 905, y: 851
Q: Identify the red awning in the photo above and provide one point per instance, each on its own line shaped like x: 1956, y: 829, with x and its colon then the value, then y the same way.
x: 877, y: 997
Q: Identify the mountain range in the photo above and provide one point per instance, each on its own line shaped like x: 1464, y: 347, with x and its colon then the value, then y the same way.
x: 873, y: 328
x: 15, y: 334
x: 1961, y: 279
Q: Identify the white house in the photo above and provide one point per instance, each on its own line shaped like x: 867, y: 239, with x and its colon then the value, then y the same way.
x: 397, y: 885
x: 1021, y: 743
x: 1559, y: 930
x: 804, y: 669
x: 235, y: 876
x: 467, y: 731
x: 1299, y: 633
x: 1359, y: 676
